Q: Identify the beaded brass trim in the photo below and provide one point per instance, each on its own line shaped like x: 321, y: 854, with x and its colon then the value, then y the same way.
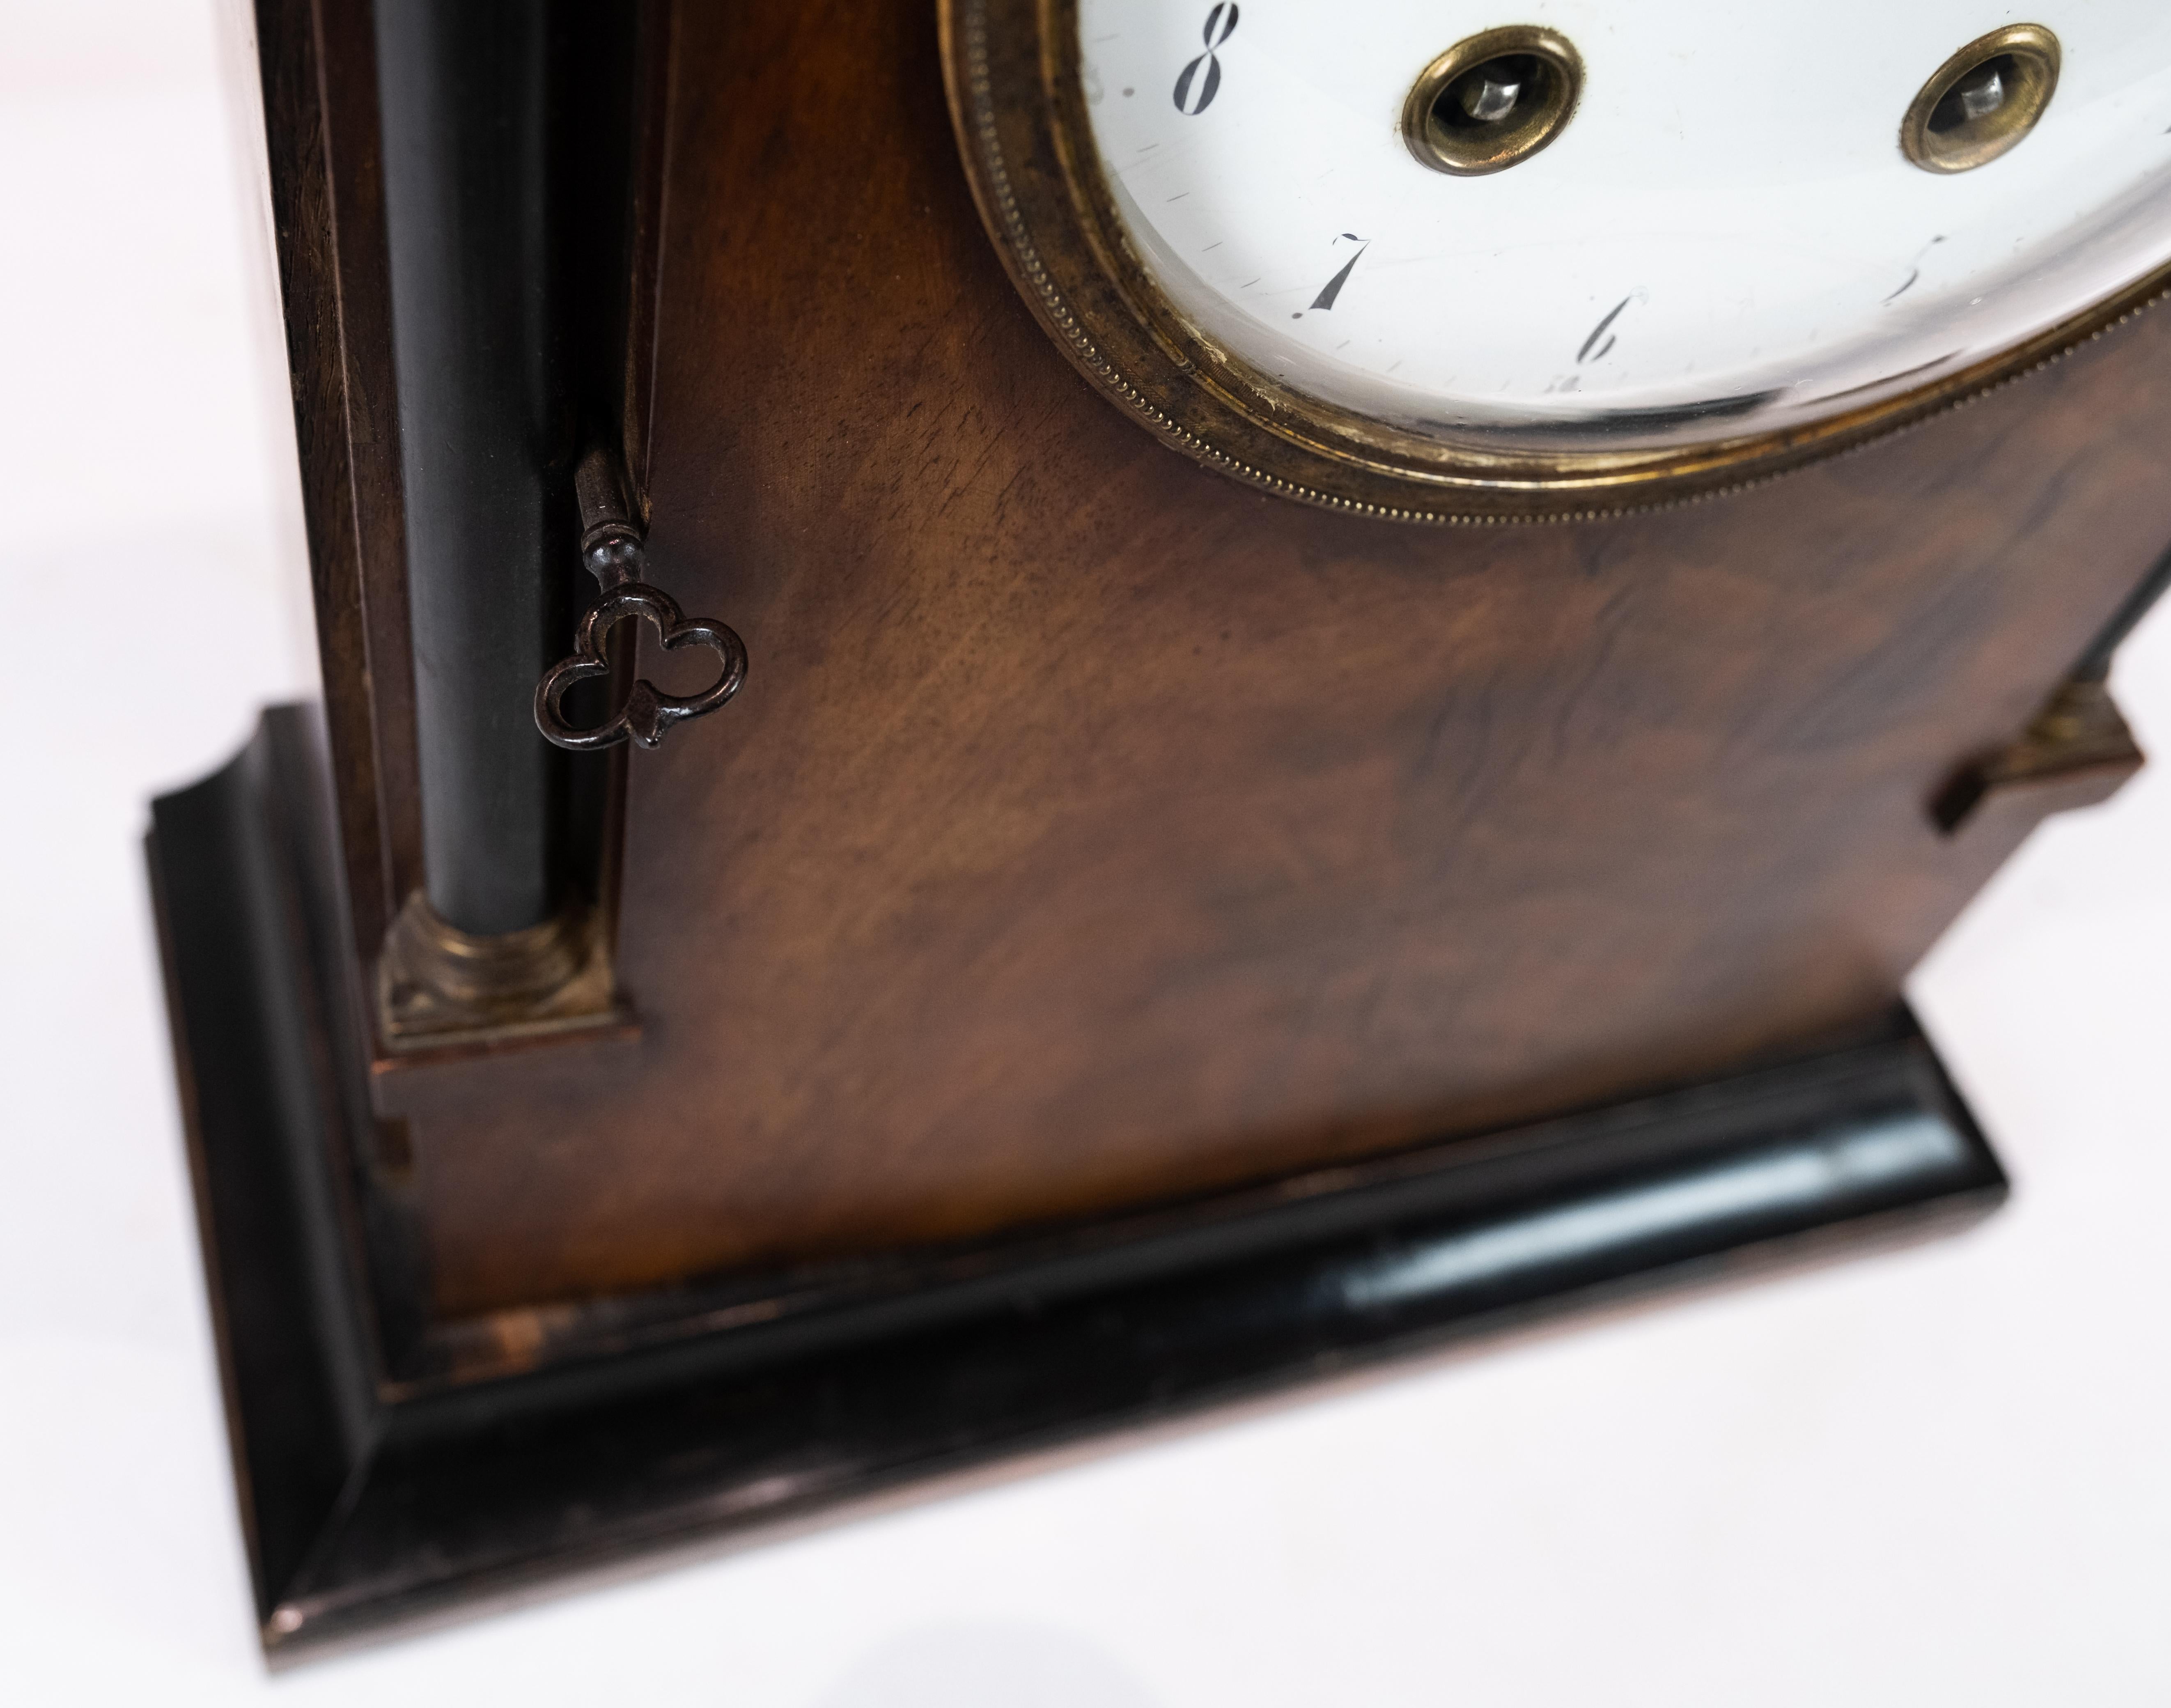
x: 1017, y: 101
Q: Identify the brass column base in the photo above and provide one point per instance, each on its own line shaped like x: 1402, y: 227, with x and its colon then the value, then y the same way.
x: 2077, y: 753
x: 438, y: 985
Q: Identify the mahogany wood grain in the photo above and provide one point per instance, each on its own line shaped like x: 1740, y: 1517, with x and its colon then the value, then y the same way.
x: 1093, y: 831
x: 320, y: 112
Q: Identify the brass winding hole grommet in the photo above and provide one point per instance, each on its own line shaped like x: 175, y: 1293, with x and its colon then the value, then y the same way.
x: 1982, y: 100
x: 1492, y: 100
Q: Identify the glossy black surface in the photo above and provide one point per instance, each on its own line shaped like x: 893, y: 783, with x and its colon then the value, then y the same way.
x: 365, y: 1510
x: 480, y: 359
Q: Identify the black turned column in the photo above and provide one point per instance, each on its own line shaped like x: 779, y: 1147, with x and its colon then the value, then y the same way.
x: 486, y: 430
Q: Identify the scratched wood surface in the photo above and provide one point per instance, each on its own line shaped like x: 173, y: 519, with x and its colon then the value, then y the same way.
x: 1093, y: 831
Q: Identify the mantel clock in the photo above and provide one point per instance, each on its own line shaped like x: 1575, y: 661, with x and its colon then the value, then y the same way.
x: 1352, y: 651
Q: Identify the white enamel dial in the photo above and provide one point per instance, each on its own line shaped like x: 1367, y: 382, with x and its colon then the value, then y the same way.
x: 1725, y: 238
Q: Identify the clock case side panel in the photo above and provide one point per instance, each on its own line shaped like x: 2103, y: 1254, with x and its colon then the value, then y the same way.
x: 1017, y: 104
x: 350, y: 771
x: 328, y: 221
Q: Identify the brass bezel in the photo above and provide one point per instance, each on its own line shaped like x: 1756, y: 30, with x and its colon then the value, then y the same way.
x: 1979, y: 141
x: 1469, y: 156
x: 1018, y: 102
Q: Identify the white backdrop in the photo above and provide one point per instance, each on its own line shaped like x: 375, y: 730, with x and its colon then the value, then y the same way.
x: 1936, y: 1477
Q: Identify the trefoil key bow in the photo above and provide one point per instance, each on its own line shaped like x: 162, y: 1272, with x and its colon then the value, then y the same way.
x: 611, y: 548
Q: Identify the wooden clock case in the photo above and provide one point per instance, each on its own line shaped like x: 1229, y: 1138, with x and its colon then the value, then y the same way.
x: 1137, y: 941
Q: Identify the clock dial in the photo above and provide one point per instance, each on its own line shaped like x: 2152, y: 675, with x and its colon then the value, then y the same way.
x: 1723, y: 233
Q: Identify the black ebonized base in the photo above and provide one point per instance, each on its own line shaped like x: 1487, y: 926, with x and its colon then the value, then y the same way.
x: 362, y: 1511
